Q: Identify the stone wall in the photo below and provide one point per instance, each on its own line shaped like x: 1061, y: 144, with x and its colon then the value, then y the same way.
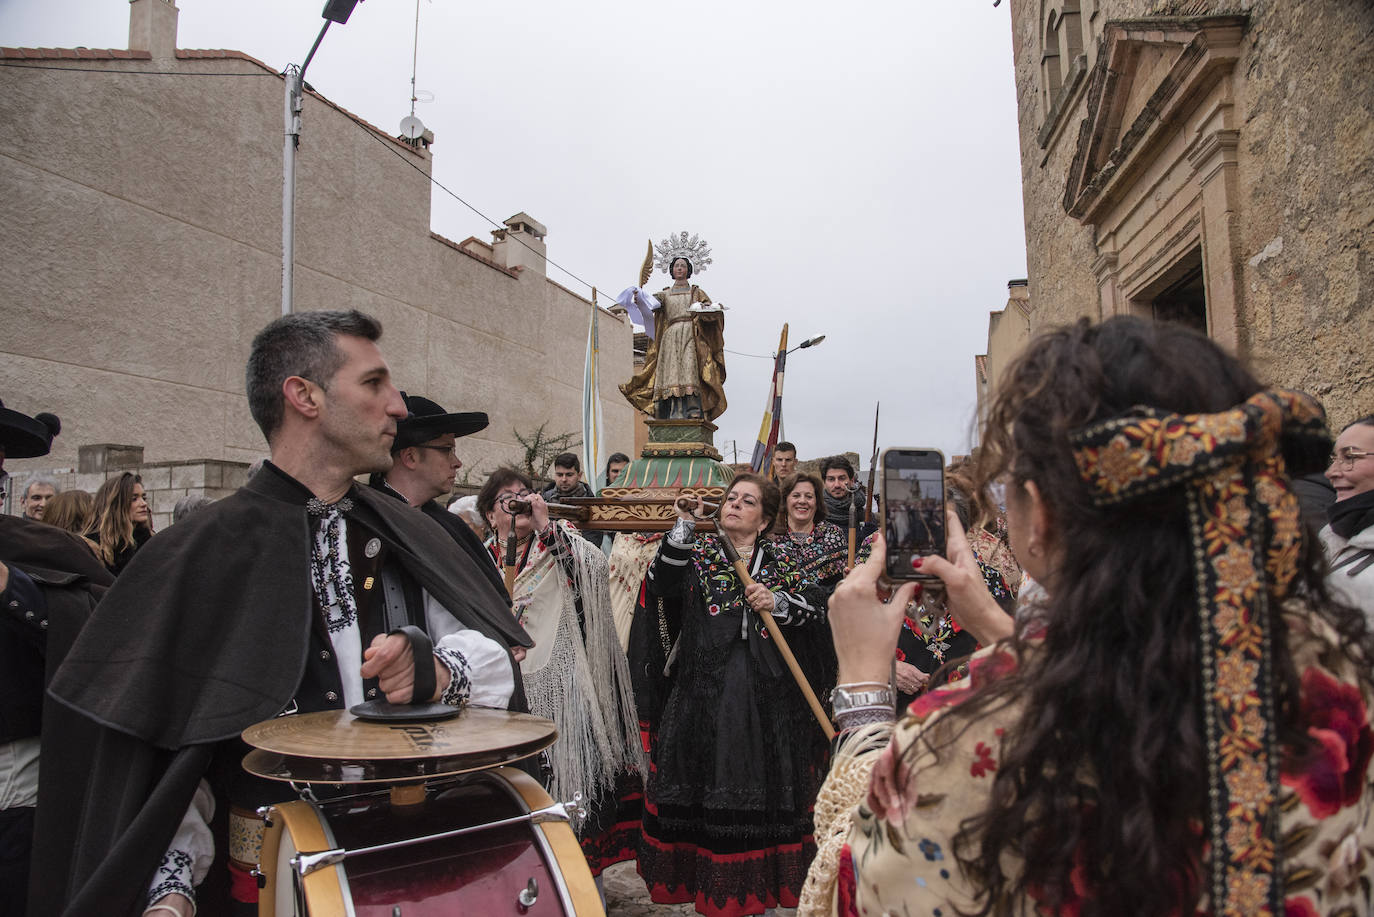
x: 1285, y: 235
x: 164, y: 483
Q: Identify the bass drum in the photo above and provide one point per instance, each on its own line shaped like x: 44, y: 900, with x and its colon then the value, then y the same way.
x: 495, y: 860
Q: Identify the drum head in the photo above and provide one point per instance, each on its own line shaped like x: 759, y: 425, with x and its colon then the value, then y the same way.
x: 333, y: 746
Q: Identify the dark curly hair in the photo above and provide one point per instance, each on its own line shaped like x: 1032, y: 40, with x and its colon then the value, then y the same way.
x: 1102, y: 784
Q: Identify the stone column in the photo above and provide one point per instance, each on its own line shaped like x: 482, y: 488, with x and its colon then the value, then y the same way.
x: 1213, y: 158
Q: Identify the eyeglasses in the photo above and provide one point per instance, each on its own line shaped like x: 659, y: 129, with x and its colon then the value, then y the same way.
x: 451, y: 450
x: 1346, y: 458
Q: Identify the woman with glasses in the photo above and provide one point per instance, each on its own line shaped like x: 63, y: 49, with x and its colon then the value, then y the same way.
x: 576, y: 673
x: 1349, y: 535
x: 737, y: 756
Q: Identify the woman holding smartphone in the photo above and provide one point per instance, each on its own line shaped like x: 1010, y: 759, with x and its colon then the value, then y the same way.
x: 1181, y: 727
x: 738, y: 757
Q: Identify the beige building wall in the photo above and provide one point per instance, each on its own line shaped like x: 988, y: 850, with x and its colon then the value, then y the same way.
x: 1008, y: 332
x: 140, y: 251
x: 1164, y: 140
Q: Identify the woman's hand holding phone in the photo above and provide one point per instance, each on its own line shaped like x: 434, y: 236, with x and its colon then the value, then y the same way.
x: 972, y: 606
x: 865, y: 627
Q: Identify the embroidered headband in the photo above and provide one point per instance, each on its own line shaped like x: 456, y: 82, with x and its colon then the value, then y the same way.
x: 1247, y: 539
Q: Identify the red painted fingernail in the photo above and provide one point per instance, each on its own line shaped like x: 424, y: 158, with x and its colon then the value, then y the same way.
x: 917, y: 593
x: 915, y: 563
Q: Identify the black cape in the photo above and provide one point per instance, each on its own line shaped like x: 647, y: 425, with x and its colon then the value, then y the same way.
x: 458, y: 530
x: 70, y: 579
x: 204, y: 634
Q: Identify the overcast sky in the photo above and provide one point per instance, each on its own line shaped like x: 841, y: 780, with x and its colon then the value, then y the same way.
x: 854, y: 167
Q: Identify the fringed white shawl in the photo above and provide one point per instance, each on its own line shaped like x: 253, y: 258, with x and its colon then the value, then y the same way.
x: 583, y: 687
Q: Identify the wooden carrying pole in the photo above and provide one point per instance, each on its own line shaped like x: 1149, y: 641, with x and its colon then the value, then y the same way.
x: 779, y: 640
x: 853, y: 529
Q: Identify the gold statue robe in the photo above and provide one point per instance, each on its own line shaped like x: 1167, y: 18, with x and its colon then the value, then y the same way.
x: 685, y: 357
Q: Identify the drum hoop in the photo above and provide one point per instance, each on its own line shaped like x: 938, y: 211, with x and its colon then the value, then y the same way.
x: 301, y: 814
x: 520, y: 786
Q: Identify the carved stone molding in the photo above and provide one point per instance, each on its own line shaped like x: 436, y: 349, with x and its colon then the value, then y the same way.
x: 1110, y: 153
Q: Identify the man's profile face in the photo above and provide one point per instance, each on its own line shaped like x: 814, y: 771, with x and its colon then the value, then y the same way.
x: 359, y: 408
x: 37, y: 500
x: 784, y: 463
x: 565, y: 479
x: 837, y: 482
x: 439, y: 464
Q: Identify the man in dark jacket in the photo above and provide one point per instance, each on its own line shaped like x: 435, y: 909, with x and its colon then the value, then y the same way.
x: 300, y: 592
x: 567, y: 479
x: 425, y: 462
x: 842, y: 493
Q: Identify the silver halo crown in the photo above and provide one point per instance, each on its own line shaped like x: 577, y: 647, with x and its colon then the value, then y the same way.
x: 695, y: 250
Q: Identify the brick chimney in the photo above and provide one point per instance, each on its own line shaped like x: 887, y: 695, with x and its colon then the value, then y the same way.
x: 521, y: 243
x: 153, y: 28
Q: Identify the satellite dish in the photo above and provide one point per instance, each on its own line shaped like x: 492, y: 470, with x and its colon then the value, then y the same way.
x: 412, y: 127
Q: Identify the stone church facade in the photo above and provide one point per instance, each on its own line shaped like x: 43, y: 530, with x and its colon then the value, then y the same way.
x: 1210, y: 163
x: 140, y: 251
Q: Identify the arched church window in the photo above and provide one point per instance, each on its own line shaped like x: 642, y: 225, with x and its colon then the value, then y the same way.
x: 1051, y: 76
x: 1070, y: 33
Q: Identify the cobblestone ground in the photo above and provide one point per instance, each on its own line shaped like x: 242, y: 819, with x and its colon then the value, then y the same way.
x: 626, y: 896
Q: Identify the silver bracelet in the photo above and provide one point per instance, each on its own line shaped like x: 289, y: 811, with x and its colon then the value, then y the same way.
x: 863, y: 716
x: 842, y: 699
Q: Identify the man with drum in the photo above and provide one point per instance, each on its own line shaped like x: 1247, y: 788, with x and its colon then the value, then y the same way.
x: 284, y: 597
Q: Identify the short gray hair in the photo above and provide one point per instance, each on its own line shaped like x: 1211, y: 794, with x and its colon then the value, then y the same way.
x: 41, y: 480
x: 300, y: 344
x: 188, y: 505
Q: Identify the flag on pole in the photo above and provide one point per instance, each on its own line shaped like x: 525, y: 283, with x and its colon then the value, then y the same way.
x: 769, y: 430
x: 592, y: 420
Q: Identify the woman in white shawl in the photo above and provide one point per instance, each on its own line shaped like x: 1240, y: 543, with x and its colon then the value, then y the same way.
x: 576, y: 673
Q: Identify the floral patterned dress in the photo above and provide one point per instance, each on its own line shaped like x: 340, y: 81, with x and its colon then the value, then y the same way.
x: 903, y: 864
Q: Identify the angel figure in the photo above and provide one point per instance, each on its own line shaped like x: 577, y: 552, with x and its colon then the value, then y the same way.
x: 684, y: 368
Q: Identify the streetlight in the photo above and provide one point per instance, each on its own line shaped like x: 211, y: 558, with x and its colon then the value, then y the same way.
x: 809, y: 342
x: 334, y: 11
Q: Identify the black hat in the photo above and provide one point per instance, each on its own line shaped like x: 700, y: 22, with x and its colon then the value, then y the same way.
x: 23, y: 436
x: 425, y: 420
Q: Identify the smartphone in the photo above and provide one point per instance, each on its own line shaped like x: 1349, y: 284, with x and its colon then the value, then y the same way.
x: 913, y: 509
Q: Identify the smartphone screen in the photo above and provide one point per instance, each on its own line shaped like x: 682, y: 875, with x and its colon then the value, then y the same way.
x: 913, y: 508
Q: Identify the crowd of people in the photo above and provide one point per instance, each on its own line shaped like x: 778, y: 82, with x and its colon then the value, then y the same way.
x: 1138, y: 680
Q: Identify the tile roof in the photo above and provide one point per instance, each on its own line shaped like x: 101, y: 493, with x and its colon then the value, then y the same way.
x: 72, y: 54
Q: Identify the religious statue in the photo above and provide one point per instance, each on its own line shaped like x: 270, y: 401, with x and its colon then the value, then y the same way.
x: 684, y: 369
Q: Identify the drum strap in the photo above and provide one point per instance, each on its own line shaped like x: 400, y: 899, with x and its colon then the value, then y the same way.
x: 394, y: 613
x: 397, y: 620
